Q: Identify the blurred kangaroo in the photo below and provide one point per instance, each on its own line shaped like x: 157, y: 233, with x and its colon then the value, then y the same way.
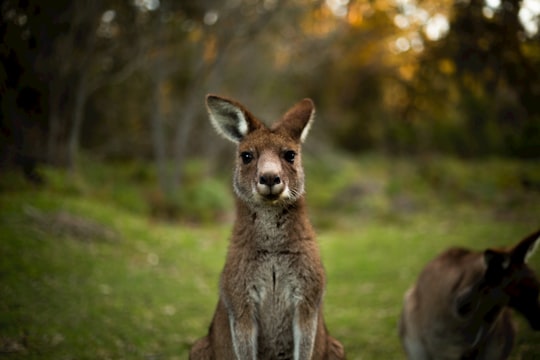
x: 459, y: 307
x: 272, y: 285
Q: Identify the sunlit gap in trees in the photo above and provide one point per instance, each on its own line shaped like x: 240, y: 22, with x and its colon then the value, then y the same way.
x: 409, y: 17
x: 338, y: 7
x: 412, y: 19
x: 528, y: 13
x: 146, y: 5
x: 417, y: 24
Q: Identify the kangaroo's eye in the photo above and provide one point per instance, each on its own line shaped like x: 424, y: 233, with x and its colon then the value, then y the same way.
x: 289, y: 156
x: 246, y: 157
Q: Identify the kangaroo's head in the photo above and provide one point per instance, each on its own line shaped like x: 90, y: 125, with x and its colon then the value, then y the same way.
x: 268, y: 164
x: 522, y: 285
x: 509, y: 281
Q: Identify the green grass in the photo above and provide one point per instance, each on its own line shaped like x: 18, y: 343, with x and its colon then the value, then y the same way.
x: 87, y: 273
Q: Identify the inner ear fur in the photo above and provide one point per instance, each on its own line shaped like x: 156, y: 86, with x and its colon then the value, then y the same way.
x: 230, y: 118
x: 297, y: 120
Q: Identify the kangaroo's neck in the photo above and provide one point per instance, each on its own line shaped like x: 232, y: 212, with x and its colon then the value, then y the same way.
x: 269, y: 226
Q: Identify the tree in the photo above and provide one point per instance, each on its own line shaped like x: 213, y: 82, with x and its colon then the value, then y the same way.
x: 489, y: 77
x: 63, y: 52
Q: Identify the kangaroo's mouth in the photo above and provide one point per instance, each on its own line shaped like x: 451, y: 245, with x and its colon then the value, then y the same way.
x: 273, y: 198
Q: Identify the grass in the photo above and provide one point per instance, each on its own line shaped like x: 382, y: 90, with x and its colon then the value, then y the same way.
x: 88, y: 273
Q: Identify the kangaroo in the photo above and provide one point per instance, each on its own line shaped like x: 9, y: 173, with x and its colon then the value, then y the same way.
x: 459, y: 307
x: 272, y: 284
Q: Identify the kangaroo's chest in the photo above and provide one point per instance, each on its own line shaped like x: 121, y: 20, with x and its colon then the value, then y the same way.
x: 275, y: 287
x: 275, y: 282
x: 275, y: 271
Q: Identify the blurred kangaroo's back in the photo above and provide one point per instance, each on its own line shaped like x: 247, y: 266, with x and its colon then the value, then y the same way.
x: 459, y: 306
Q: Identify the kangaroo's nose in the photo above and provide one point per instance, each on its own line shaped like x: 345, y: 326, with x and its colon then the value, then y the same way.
x: 269, y: 180
x: 270, y: 185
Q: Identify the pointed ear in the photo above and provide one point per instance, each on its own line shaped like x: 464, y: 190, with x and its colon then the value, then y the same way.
x: 496, y: 260
x: 297, y: 121
x: 230, y: 118
x: 522, y: 252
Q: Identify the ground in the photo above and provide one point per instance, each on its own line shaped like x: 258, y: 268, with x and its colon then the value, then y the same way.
x: 89, y: 271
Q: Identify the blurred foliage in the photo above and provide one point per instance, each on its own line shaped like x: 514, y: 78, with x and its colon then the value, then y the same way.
x: 125, y: 80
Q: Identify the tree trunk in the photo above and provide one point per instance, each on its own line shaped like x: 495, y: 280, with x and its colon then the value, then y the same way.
x: 78, y: 118
x: 190, y: 110
x: 159, y: 140
x: 56, y: 144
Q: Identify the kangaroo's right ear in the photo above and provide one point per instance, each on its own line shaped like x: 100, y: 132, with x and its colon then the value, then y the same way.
x: 297, y: 121
x: 526, y: 247
x: 229, y: 118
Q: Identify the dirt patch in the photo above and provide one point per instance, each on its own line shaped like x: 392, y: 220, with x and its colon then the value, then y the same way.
x: 65, y: 224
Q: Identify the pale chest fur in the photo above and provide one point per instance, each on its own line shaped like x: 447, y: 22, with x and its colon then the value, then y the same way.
x: 275, y: 288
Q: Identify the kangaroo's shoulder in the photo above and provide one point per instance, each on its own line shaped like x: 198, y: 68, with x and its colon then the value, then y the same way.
x: 451, y: 269
x: 453, y: 257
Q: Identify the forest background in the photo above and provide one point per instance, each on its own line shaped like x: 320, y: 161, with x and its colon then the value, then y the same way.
x: 127, y: 79
x: 115, y: 196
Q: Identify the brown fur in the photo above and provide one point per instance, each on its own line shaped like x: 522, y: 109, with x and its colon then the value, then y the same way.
x: 459, y: 307
x: 272, y: 285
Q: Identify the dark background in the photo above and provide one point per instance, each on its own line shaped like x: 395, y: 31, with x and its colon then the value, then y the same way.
x: 127, y: 79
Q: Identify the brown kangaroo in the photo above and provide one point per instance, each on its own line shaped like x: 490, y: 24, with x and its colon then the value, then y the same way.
x: 272, y: 285
x: 459, y: 307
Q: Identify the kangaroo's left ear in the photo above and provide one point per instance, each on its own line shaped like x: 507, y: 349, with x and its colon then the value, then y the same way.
x: 522, y: 252
x: 297, y: 121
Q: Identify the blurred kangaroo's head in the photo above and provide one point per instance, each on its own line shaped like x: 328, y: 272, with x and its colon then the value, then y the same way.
x: 268, y: 164
x: 508, y: 278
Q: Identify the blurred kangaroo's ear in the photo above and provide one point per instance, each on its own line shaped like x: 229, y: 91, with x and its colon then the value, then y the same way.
x: 230, y: 118
x: 297, y: 121
x: 522, y: 252
x: 496, y: 260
